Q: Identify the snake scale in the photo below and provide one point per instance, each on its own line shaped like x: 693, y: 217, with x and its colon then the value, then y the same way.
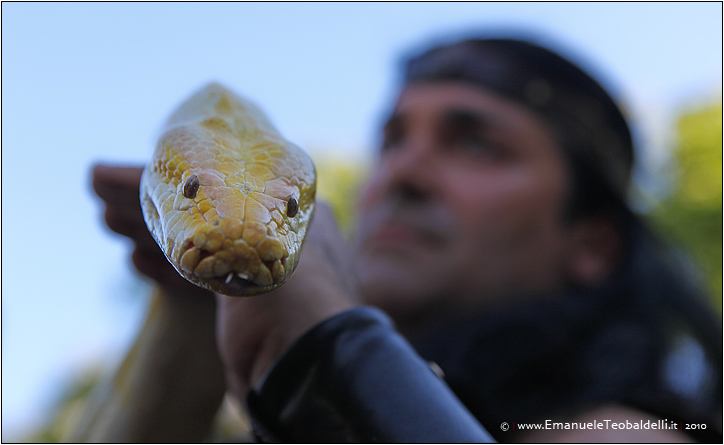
x: 226, y: 197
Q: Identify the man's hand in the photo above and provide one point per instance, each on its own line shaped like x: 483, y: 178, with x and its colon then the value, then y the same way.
x: 254, y: 331
x: 174, y: 358
x: 251, y: 332
x: 118, y: 187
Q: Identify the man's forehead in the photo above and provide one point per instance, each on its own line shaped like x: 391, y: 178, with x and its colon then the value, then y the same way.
x: 450, y: 100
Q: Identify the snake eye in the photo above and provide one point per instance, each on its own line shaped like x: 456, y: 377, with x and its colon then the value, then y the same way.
x: 191, y: 187
x: 292, y: 207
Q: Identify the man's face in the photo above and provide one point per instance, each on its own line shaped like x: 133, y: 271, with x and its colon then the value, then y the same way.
x: 465, y: 204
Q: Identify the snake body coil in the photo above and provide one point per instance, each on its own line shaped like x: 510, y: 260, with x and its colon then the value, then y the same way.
x: 226, y: 197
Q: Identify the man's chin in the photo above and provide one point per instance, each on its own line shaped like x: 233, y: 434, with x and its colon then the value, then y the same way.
x: 395, y: 287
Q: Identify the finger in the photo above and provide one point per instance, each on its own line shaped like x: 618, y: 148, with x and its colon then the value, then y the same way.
x: 328, y: 238
x: 118, y: 185
x: 129, y: 224
x: 325, y: 231
x: 321, y: 222
x: 150, y: 261
x: 154, y: 265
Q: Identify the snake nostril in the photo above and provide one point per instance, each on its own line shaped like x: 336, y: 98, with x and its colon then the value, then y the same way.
x: 269, y: 265
x: 186, y: 246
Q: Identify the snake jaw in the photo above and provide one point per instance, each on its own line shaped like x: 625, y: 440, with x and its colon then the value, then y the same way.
x: 237, y: 268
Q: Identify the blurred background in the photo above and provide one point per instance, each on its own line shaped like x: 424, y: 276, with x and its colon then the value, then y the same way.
x: 84, y: 83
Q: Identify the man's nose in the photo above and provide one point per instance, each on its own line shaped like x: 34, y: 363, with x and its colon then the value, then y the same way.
x: 413, y: 170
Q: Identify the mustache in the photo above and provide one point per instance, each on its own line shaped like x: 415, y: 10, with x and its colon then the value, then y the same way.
x: 430, y: 219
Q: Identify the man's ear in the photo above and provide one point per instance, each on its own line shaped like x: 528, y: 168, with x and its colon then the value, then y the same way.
x: 596, y: 249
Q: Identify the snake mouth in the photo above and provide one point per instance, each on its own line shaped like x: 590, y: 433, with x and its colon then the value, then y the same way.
x: 227, y: 272
x: 241, y: 284
x: 232, y: 284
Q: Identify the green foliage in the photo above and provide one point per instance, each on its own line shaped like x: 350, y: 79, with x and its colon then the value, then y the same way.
x: 338, y: 183
x: 692, y: 214
x: 68, y: 408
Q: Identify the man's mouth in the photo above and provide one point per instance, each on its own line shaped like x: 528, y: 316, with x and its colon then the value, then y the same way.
x: 394, y: 234
x: 398, y: 226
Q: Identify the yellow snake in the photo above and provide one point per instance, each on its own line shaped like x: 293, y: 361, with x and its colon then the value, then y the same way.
x: 228, y: 199
x: 229, y: 202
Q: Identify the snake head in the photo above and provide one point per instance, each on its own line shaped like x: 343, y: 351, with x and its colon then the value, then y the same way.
x: 227, y: 199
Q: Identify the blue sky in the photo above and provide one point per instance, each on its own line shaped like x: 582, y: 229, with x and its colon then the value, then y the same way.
x: 87, y: 82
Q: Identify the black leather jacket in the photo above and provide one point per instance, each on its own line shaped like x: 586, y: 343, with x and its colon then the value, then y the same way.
x: 353, y: 378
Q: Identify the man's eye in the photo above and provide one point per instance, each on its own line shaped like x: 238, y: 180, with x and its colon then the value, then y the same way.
x: 472, y: 142
x: 390, y: 142
x: 475, y: 143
